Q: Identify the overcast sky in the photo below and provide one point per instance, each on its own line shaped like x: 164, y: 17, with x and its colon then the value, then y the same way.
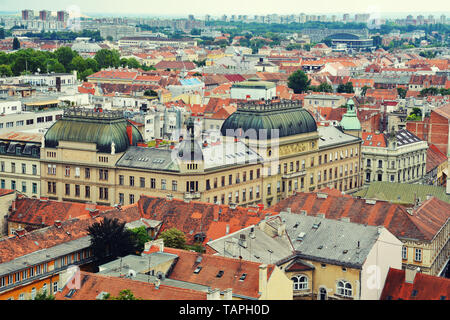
x: 214, y: 7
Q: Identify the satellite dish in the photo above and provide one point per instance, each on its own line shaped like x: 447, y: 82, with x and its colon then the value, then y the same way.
x: 131, y: 273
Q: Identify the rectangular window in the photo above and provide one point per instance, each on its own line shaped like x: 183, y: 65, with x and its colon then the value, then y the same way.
x: 121, y: 198
x: 13, y: 167
x: 77, y: 172
x: 2, y: 184
x: 2, y: 166
x: 77, y: 190
x: 67, y: 171
x: 404, y: 252
x: 121, y: 179
x: 34, y: 187
x: 87, y: 192
x: 103, y: 174
x: 131, y: 181
x: 24, y: 187
x: 153, y: 183
x: 174, y: 185
x: 24, y: 168
x: 163, y: 184
x: 142, y: 182
x: 131, y: 198
x: 103, y: 194
x: 34, y: 169
x: 67, y: 189
x: 418, y: 254
x: 13, y: 185
x: 87, y: 173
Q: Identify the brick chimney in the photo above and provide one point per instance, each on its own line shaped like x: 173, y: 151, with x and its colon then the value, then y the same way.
x: 13, y: 206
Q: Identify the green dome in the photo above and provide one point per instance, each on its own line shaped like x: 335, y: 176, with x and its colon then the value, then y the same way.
x: 350, y: 119
x: 101, y: 128
x: 289, y: 118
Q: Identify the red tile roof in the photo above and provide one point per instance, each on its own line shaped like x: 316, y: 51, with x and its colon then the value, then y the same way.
x: 211, y: 265
x: 42, y: 213
x: 14, y: 246
x: 114, y: 74
x: 178, y: 214
x: 425, y: 287
x: 393, y: 217
x: 93, y: 284
x: 434, y: 157
x: 372, y: 139
x: 431, y: 216
x: 188, y: 65
x: 4, y: 192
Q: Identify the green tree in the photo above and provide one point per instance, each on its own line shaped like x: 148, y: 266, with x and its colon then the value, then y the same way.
x: 141, y: 237
x: 325, y: 87
x: 150, y: 93
x: 401, y: 92
x: 126, y: 294
x: 110, y: 239
x: 86, y: 73
x: 364, y: 90
x: 2, y: 33
x: 345, y: 88
x: 65, y: 55
x: 298, y: 81
x: 5, y: 71
x: 44, y: 296
x: 16, y: 44
x: 174, y: 238
x: 107, y: 58
x: 109, y: 38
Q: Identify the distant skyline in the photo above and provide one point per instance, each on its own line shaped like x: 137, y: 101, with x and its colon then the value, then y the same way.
x: 199, y: 8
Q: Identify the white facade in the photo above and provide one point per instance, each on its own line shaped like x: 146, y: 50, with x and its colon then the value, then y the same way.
x: 24, y: 121
x: 253, y: 93
x: 10, y: 107
x: 386, y: 253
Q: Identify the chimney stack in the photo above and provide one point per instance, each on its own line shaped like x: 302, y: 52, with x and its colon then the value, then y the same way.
x: 13, y: 206
x: 213, y: 294
x: 263, y: 279
x: 228, y: 294
x: 58, y: 223
x: 410, y: 274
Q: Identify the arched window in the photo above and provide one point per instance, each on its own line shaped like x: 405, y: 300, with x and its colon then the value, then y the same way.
x: 344, y: 288
x: 300, y: 282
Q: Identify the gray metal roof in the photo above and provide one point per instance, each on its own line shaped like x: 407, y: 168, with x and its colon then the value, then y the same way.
x: 330, y: 241
x: 262, y: 248
x: 43, y: 255
x: 330, y: 136
x: 140, y: 264
x: 149, y: 159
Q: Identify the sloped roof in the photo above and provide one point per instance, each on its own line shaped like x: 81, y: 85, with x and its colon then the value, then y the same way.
x: 46, y: 212
x: 401, y: 192
x: 434, y: 158
x: 336, y: 241
x: 426, y: 287
x: 195, y: 217
x: 431, y: 216
x: 232, y: 269
x: 15, y: 247
x: 392, y: 216
x: 93, y: 284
